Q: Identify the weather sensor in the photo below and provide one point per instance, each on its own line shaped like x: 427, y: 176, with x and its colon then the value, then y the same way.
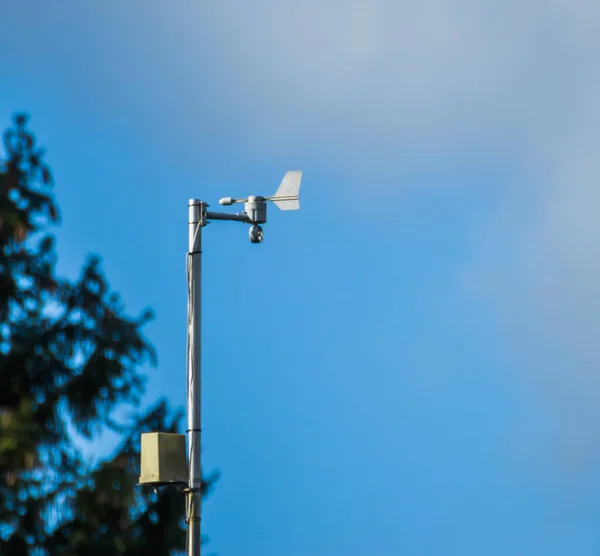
x: 255, y: 206
x: 163, y: 454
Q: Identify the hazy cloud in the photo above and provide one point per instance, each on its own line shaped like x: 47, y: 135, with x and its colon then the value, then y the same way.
x: 400, y: 79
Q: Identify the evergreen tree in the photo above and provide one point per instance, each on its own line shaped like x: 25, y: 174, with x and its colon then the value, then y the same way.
x: 69, y: 354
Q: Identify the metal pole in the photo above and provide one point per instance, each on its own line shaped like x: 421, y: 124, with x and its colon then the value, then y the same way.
x: 196, y: 220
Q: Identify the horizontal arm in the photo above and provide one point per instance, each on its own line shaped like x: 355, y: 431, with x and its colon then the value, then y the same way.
x: 241, y: 217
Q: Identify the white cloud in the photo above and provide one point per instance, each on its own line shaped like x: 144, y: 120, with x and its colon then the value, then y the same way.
x: 422, y: 78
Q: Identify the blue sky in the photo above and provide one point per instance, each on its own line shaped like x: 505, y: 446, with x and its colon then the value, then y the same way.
x: 424, y: 375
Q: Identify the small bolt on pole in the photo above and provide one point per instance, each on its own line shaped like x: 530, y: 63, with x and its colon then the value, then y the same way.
x: 196, y: 221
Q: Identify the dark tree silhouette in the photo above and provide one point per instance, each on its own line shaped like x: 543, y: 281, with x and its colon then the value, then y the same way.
x: 69, y: 354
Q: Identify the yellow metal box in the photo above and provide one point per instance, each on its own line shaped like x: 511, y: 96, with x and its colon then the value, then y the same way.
x: 163, y: 459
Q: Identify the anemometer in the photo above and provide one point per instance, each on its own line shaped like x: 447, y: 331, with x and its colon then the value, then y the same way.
x: 255, y: 207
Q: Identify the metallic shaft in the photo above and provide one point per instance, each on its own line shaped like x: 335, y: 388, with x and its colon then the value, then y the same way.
x: 196, y: 220
x: 226, y: 216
